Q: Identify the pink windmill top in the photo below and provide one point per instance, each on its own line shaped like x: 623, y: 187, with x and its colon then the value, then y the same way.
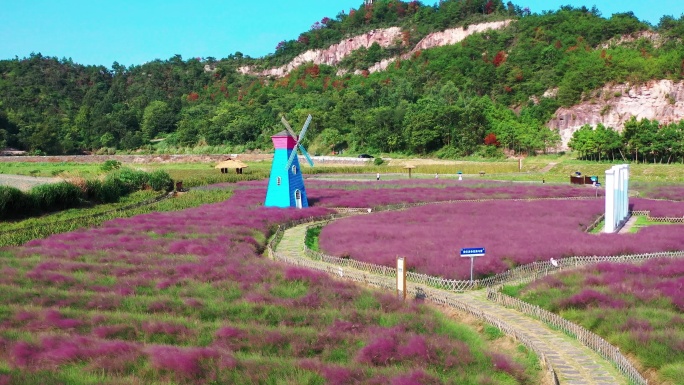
x: 283, y: 140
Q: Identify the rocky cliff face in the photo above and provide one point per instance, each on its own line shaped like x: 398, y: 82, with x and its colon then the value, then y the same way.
x: 385, y: 38
x: 335, y: 53
x: 439, y: 39
x: 662, y: 100
x: 456, y: 35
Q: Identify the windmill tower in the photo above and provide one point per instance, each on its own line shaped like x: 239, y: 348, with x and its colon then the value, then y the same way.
x: 286, y: 184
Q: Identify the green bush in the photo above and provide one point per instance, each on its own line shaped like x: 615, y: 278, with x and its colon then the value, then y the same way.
x: 108, y: 191
x: 110, y: 165
x: 133, y: 180
x: 14, y: 203
x: 92, y: 190
x: 378, y: 161
x: 104, y: 192
x: 56, y: 196
x: 160, y: 180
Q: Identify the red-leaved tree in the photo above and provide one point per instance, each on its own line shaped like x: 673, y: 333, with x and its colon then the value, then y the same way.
x: 490, y: 140
x: 499, y: 59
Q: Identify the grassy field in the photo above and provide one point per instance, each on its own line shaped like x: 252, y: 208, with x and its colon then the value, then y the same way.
x: 185, y: 298
x: 642, y: 222
x: 560, y: 167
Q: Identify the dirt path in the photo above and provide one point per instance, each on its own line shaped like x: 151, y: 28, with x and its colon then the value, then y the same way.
x: 25, y: 183
x: 548, y: 167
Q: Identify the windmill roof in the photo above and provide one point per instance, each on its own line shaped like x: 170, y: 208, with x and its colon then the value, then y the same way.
x: 282, y: 133
x: 231, y: 164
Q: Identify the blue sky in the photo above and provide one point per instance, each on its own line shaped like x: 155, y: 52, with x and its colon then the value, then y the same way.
x: 135, y: 32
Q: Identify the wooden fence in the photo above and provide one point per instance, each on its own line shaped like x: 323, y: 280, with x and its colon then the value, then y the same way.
x: 647, y: 214
x: 521, y: 274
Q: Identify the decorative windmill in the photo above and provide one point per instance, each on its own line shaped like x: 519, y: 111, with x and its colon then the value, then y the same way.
x: 286, y: 185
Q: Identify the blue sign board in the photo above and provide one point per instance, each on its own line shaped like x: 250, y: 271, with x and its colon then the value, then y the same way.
x: 473, y: 252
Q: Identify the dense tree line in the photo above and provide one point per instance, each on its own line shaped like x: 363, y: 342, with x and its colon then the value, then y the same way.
x: 482, y: 96
x: 645, y: 141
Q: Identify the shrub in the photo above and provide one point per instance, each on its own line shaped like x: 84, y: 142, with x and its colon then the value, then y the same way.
x: 132, y: 180
x: 160, y: 180
x: 108, y: 191
x: 92, y: 190
x: 110, y: 165
x: 14, y: 203
x: 56, y: 196
x: 378, y: 161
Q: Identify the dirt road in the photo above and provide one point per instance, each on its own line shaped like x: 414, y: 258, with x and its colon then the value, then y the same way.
x: 25, y: 183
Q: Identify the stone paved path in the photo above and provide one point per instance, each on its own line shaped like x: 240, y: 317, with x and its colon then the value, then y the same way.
x: 574, y: 363
x: 628, y: 226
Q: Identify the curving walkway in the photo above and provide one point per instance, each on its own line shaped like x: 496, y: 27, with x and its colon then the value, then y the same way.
x: 574, y: 363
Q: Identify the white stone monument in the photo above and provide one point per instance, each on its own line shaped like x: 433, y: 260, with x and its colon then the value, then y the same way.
x: 617, y: 198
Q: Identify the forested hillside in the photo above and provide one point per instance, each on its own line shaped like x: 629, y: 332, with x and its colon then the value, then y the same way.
x: 483, y: 96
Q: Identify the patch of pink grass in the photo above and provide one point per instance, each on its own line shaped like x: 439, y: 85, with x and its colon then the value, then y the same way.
x: 512, y: 232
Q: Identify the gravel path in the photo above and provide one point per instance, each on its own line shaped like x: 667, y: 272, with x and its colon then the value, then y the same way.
x: 25, y: 183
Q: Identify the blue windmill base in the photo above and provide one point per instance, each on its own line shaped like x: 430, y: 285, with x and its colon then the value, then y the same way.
x: 285, y: 186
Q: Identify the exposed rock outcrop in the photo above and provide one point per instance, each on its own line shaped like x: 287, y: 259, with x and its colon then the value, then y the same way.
x: 661, y: 100
x: 653, y: 37
x: 456, y: 35
x: 335, y: 53
x: 385, y: 38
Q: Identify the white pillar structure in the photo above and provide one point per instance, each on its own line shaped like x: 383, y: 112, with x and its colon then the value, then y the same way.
x: 617, y: 198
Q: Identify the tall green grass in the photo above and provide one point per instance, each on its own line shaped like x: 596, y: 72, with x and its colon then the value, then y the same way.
x: 50, y: 197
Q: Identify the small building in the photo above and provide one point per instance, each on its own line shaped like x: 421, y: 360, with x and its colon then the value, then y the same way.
x: 231, y: 164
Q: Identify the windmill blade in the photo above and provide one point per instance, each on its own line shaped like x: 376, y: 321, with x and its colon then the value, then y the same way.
x: 306, y: 127
x: 291, y: 158
x: 287, y: 125
x: 306, y: 154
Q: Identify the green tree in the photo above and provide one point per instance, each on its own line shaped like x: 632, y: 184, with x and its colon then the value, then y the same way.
x: 423, y: 126
x: 157, y: 118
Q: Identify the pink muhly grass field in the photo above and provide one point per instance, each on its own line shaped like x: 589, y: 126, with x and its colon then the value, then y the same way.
x: 512, y: 232
x: 638, y: 307
x: 172, y: 296
x: 373, y: 194
x: 658, y: 208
